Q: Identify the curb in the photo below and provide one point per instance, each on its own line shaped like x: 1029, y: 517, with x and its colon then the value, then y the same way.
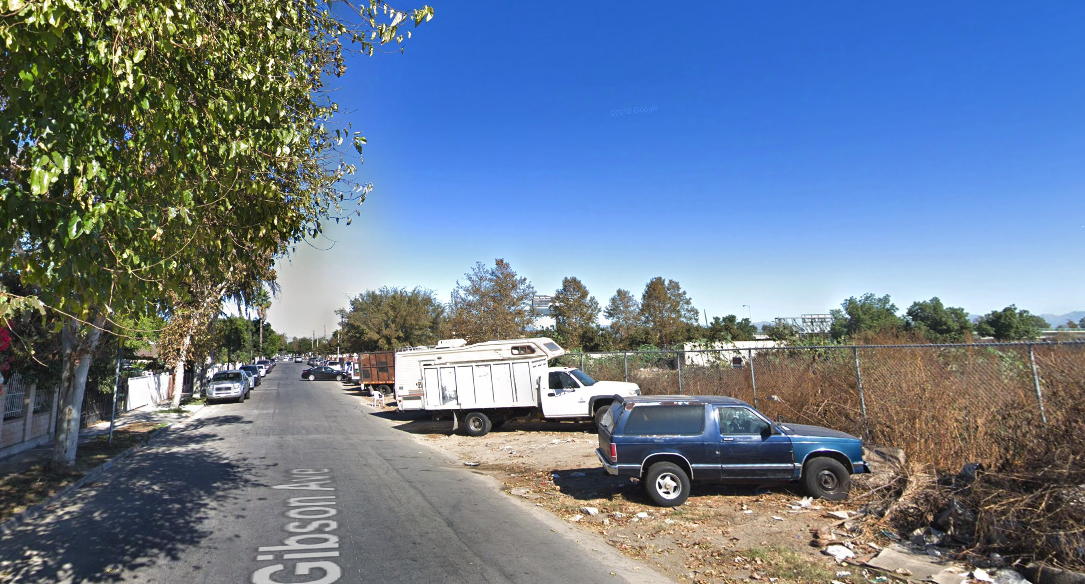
x: 34, y: 510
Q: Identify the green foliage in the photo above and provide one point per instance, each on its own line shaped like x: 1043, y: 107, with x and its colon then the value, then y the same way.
x: 493, y: 304
x: 235, y: 338
x: 1011, y: 324
x: 575, y: 313
x: 780, y: 332
x: 390, y: 318
x: 623, y: 312
x: 866, y: 315
x: 938, y: 323
x: 667, y: 311
x: 730, y: 328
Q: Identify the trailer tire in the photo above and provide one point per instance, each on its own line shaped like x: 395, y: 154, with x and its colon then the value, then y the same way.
x: 476, y: 424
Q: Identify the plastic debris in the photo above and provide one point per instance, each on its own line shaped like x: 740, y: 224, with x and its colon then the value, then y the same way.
x: 470, y: 464
x: 839, y: 552
x: 589, y: 511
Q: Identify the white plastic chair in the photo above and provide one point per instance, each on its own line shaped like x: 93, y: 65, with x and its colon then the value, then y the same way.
x: 378, y: 398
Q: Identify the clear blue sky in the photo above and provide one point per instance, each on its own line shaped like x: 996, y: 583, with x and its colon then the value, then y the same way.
x: 785, y: 155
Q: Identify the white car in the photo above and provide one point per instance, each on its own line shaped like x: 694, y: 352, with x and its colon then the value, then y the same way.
x: 230, y: 384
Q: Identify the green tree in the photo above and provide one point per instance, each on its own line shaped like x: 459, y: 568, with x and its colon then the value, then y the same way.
x: 667, y: 312
x: 730, y: 328
x: 623, y: 312
x: 868, y: 314
x: 1011, y: 324
x: 780, y: 332
x: 938, y: 323
x: 390, y: 318
x: 149, y: 145
x: 493, y: 304
x: 235, y: 337
x: 575, y: 313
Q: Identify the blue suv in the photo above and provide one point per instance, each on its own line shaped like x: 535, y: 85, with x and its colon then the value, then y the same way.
x: 668, y: 441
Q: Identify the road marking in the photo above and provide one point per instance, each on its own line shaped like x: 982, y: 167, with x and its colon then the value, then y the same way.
x: 313, y: 511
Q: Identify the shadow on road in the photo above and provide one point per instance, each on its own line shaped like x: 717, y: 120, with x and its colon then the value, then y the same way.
x: 151, y: 507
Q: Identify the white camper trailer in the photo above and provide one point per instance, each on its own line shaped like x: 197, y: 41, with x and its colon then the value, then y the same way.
x: 484, y: 384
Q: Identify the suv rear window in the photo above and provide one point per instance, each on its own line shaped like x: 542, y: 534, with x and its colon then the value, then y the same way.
x: 683, y: 420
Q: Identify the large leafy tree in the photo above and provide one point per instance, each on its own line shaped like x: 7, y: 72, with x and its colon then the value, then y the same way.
x: 666, y: 310
x: 1011, y: 324
x: 866, y: 315
x: 492, y: 304
x: 151, y: 145
x: 390, y: 318
x: 575, y: 313
x: 730, y: 328
x: 938, y: 323
x: 623, y: 312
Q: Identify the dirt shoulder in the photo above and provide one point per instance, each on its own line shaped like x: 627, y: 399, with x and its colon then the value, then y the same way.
x: 721, y: 534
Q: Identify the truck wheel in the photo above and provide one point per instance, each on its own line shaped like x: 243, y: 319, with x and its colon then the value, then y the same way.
x: 385, y: 390
x: 825, y: 478
x: 599, y: 413
x: 667, y: 484
x: 476, y: 424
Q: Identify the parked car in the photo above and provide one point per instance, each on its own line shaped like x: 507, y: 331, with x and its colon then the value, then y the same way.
x: 669, y: 441
x: 268, y: 364
x: 249, y: 377
x: 323, y: 372
x: 299, y: 359
x: 230, y: 384
x: 253, y: 370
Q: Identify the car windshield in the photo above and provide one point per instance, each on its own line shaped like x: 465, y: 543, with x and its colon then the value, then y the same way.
x: 583, y: 377
x: 249, y: 368
x: 229, y: 376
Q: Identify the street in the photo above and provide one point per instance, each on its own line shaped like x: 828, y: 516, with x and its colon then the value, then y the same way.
x: 298, y: 484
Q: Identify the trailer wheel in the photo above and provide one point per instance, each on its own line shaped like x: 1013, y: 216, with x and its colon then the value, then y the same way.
x: 476, y: 424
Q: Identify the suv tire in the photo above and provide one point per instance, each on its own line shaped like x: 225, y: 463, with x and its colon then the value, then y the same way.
x: 825, y: 478
x: 476, y: 424
x: 667, y: 484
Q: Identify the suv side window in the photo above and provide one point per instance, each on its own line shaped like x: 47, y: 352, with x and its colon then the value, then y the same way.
x: 739, y: 420
x: 679, y: 420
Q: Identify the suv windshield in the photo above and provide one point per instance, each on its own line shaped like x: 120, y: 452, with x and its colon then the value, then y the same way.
x: 227, y: 377
x: 583, y: 377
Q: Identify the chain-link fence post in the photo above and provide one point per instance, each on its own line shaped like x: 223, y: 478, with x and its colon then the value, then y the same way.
x: 753, y: 378
x: 1036, y: 383
x: 862, y: 397
x: 678, y: 359
x: 625, y: 364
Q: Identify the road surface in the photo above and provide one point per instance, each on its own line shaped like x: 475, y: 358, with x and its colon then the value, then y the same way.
x: 301, y: 483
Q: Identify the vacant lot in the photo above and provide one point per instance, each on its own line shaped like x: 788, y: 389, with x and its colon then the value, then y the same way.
x: 722, y: 533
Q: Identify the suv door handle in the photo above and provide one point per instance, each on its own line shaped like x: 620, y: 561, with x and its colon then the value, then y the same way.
x: 728, y: 439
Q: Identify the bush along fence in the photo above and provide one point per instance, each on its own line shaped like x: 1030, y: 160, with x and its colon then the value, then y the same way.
x: 943, y: 404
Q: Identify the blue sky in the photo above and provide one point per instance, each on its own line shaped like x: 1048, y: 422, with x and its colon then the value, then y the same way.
x: 780, y: 155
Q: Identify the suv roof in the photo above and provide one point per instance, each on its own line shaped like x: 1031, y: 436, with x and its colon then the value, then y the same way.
x: 683, y: 399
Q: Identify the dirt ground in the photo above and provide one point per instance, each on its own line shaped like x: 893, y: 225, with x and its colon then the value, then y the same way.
x: 722, y: 534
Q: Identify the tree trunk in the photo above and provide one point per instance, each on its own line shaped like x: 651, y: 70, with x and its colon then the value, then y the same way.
x: 78, y: 342
x: 261, y: 337
x: 179, y: 373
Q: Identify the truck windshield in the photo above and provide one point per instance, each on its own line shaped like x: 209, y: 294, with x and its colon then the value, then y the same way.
x: 226, y: 377
x: 583, y: 377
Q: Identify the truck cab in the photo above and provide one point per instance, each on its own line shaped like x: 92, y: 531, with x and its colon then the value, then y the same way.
x: 571, y: 393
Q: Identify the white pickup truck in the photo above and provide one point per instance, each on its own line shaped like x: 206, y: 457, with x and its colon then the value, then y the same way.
x: 485, y: 384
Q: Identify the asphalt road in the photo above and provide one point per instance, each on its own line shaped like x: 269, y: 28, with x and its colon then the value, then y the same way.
x: 301, y: 483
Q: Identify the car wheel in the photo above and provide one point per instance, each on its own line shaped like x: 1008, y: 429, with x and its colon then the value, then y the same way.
x: 339, y: 378
x: 598, y: 418
x: 825, y: 478
x: 476, y: 424
x: 667, y: 484
x: 312, y: 377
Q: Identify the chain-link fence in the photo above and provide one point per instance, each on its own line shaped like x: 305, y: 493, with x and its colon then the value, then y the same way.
x: 944, y: 404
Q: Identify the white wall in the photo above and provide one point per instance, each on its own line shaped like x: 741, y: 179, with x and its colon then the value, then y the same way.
x: 148, y: 390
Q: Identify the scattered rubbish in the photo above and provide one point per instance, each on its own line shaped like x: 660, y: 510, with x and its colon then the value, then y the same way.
x: 470, y: 464
x: 927, y: 536
x: 555, y: 441
x: 903, y: 571
x: 642, y: 515
x: 891, y: 535
x: 839, y: 552
x: 1008, y: 576
x: 777, y: 518
x: 669, y: 521
x: 520, y: 491
x: 589, y: 511
x: 921, y: 567
x: 747, y: 512
x: 839, y: 514
x: 843, y: 574
x: 576, y: 518
x: 617, y: 515
x: 982, y: 575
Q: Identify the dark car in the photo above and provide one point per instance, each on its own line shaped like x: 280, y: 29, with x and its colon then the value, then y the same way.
x: 669, y: 441
x: 253, y: 370
x: 323, y: 372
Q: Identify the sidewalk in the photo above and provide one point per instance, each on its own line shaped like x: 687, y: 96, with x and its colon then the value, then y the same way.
x: 155, y: 415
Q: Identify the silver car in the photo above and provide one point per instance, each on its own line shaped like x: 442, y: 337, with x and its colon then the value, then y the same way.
x: 230, y: 384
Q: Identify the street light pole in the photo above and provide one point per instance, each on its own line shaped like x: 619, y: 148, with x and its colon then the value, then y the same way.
x: 749, y: 311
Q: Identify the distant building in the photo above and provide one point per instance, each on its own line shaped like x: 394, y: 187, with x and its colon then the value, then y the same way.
x: 808, y: 324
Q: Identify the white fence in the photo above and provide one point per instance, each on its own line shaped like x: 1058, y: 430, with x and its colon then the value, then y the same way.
x: 148, y: 390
